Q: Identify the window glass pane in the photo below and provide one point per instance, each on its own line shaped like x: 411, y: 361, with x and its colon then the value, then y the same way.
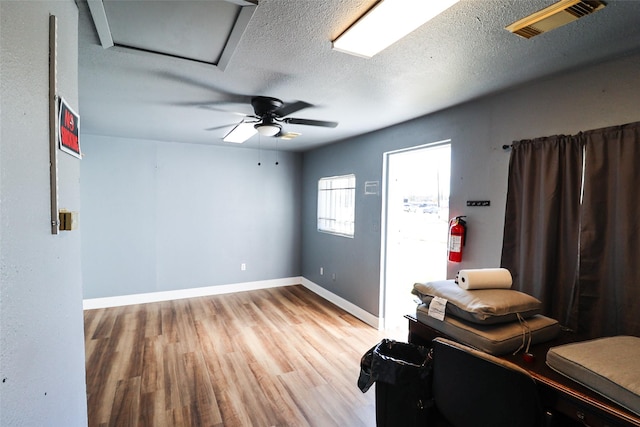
x: 336, y: 205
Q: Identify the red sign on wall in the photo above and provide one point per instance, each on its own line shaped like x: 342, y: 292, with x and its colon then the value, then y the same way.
x: 68, y: 130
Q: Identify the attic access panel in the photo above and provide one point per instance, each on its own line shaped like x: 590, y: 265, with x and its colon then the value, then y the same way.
x: 202, y: 31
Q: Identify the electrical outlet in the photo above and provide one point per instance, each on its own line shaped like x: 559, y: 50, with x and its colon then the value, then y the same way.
x: 321, y: 271
x: 243, y: 266
x: 333, y: 277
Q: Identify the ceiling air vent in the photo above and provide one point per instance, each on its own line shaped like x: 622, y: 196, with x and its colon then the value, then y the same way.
x: 554, y: 16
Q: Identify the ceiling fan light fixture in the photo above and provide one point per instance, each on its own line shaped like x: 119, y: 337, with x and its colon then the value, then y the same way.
x: 268, y: 129
x: 386, y: 23
x: 240, y: 133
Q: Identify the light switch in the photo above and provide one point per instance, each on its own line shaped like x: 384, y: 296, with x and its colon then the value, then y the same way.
x: 68, y: 220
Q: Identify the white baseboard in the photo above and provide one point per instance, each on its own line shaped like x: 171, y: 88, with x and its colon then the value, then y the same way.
x: 365, y: 316
x: 89, y: 304
x: 347, y: 306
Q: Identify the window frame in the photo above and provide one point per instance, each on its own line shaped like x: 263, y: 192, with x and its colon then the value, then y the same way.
x: 336, y: 208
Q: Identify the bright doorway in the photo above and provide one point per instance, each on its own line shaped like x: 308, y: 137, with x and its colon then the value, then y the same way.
x: 416, y: 224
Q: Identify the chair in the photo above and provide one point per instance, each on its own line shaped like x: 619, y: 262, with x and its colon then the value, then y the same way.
x: 473, y: 388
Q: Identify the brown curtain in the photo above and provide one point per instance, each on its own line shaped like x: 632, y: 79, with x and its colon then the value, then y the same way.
x: 541, y: 220
x: 609, y: 281
x: 578, y: 258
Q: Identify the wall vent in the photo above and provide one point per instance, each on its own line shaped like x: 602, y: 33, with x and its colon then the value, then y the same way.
x: 554, y: 16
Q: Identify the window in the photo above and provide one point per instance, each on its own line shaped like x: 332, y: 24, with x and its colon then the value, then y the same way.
x: 337, y: 205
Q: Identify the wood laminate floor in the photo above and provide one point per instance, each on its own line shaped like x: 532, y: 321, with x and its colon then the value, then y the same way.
x: 273, y: 357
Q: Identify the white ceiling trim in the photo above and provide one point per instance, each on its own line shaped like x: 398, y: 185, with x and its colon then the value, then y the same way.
x: 96, y: 7
x: 246, y: 13
x: 248, y: 7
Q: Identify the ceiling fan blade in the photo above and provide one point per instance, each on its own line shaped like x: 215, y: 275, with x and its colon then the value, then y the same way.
x: 227, y: 96
x: 221, y: 127
x: 309, y: 122
x: 240, y: 133
x: 213, y: 106
x: 287, y: 136
x: 291, y: 108
x: 243, y: 124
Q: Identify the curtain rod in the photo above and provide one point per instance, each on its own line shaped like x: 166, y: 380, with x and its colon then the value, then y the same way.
x: 506, y: 146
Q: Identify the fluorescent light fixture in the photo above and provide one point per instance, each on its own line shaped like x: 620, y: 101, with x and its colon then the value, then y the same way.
x: 386, y: 23
x: 240, y: 133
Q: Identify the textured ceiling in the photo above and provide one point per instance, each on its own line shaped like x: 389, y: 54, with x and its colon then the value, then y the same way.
x: 286, y: 53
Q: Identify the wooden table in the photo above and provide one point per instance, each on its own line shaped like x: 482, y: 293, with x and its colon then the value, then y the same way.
x: 577, y: 404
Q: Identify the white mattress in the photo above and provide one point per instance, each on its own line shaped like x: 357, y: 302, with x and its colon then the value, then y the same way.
x: 609, y: 366
x: 495, y: 339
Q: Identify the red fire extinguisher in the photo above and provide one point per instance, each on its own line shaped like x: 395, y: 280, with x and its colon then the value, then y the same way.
x: 457, y: 231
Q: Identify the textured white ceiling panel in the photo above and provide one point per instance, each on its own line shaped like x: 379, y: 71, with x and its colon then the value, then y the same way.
x: 286, y: 53
x: 198, y: 30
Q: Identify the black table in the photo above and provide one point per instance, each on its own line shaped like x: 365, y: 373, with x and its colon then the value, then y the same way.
x: 576, y: 404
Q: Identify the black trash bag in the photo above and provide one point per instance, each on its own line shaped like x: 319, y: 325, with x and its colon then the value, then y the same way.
x: 400, y: 363
x: 366, y: 378
x: 403, y: 375
x: 394, y: 362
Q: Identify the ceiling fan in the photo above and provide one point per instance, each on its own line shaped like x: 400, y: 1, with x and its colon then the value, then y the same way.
x: 269, y: 115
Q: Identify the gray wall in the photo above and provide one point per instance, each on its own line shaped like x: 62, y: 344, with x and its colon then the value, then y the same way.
x: 594, y: 97
x: 41, y: 323
x: 165, y: 216
x: 161, y: 216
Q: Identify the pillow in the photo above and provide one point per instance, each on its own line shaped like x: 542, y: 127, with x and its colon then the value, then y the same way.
x: 483, y: 306
x: 495, y: 339
x: 608, y: 366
